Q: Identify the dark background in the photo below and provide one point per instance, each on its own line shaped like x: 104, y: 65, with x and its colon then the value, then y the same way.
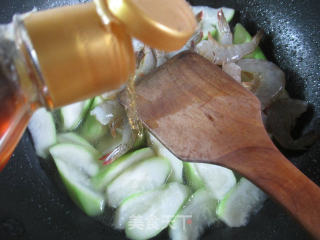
x: 32, y: 206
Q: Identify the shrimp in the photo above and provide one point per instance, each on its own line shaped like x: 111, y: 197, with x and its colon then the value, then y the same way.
x: 193, y: 41
x: 221, y: 54
x: 233, y: 70
x: 281, y: 119
x: 145, y: 58
x: 108, y: 112
x: 199, y: 17
x: 190, y: 45
x: 127, y: 142
x: 111, y: 113
x: 161, y: 56
x: 146, y: 61
x: 225, y: 34
x: 207, y: 18
x: 268, y: 79
x: 137, y: 45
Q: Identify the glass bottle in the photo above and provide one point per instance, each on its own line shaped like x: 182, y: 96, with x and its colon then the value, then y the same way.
x: 59, y: 56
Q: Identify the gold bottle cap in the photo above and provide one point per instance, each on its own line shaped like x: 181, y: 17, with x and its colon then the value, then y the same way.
x: 161, y: 24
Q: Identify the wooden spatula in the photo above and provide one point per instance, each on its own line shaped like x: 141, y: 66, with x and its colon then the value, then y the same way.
x: 202, y: 115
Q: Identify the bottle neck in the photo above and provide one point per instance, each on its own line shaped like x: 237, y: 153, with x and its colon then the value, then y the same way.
x: 19, y: 96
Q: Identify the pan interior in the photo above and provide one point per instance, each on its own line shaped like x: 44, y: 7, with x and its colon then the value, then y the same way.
x: 32, y: 206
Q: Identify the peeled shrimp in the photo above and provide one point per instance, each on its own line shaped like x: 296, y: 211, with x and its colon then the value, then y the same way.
x: 111, y: 113
x: 190, y: 45
x: 193, y: 41
x: 233, y: 70
x: 137, y: 45
x: 204, y: 17
x: 225, y: 34
x: 270, y: 79
x: 146, y: 61
x: 221, y: 54
x: 281, y: 119
x: 199, y: 17
x: 145, y: 58
x: 127, y: 142
x: 162, y: 57
x: 107, y: 112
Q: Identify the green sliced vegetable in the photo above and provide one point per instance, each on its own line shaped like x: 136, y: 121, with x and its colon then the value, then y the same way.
x: 77, y: 156
x: 111, y: 171
x: 73, y: 114
x: 43, y: 131
x: 218, y: 180
x: 71, y: 137
x: 191, y: 176
x: 135, y: 204
x: 143, y: 176
x: 76, y: 164
x: 91, y: 129
x: 157, y: 217
x: 244, y: 199
x: 96, y: 101
x: 197, y: 214
x: 162, y: 151
x: 241, y: 35
x: 91, y: 202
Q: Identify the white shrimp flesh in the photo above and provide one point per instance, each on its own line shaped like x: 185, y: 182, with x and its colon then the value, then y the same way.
x: 111, y: 113
x: 233, y: 70
x: 221, y: 54
x: 265, y: 79
x: 190, y: 45
x: 146, y: 61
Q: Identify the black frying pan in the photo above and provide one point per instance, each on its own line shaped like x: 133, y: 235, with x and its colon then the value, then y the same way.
x: 32, y: 206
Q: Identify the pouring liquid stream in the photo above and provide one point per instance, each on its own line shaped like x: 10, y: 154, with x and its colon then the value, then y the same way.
x: 134, y: 121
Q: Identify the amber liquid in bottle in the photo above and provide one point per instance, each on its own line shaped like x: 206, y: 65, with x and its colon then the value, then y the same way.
x: 76, y: 57
x: 14, y: 116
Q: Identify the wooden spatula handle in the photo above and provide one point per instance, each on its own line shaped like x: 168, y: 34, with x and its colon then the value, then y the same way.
x: 271, y: 171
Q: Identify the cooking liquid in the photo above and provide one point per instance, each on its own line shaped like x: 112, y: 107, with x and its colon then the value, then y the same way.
x: 132, y: 113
